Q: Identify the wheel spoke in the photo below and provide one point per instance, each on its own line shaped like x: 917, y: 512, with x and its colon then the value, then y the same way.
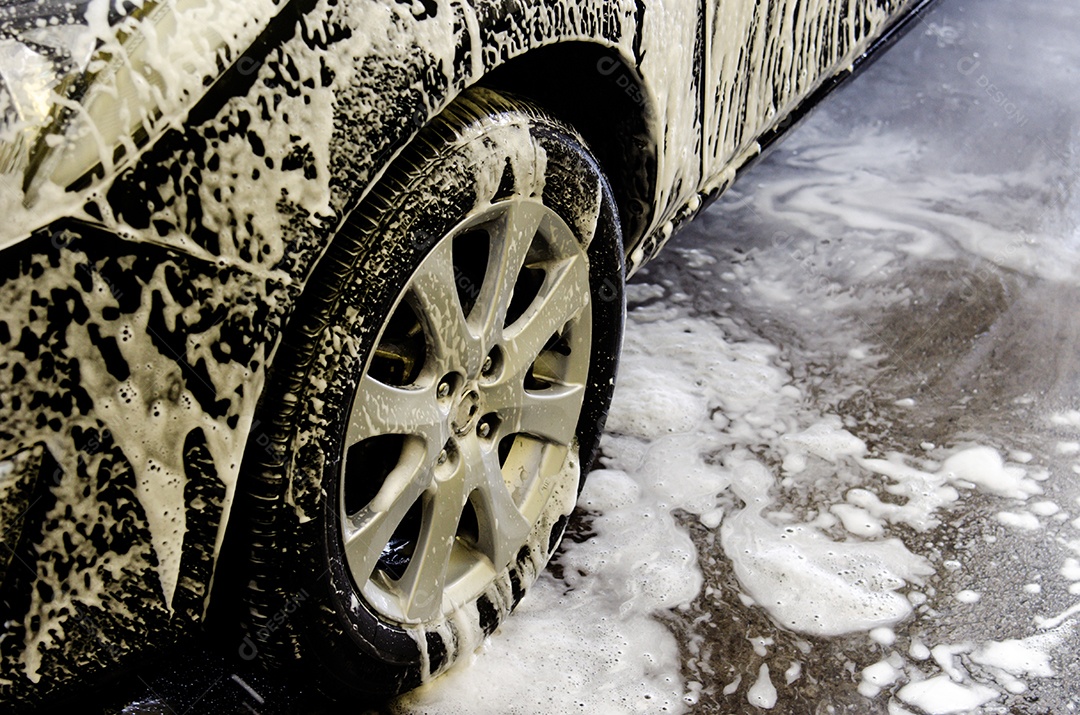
x: 502, y: 527
x: 421, y: 586
x: 453, y: 345
x: 383, y: 409
x: 512, y: 236
x: 368, y: 532
x: 550, y: 415
x: 563, y: 296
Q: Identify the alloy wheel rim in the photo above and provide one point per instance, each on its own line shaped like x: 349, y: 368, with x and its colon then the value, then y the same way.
x: 464, y: 420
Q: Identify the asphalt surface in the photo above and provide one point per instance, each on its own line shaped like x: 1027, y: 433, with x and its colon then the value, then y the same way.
x: 908, y: 261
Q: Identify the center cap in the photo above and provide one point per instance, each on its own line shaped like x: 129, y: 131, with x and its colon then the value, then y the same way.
x: 466, y: 409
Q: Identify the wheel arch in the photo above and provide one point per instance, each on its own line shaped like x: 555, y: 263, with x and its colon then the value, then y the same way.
x: 598, y: 91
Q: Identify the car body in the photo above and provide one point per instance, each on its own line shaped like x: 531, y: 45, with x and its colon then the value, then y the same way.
x: 171, y: 175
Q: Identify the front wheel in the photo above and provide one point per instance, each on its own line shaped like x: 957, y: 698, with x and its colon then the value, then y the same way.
x: 436, y: 401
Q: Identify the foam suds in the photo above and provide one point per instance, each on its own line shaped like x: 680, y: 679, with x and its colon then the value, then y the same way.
x: 809, y: 582
x: 941, y: 696
x: 880, y: 675
x: 762, y: 694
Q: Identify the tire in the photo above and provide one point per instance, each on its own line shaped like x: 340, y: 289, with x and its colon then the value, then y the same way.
x: 434, y: 400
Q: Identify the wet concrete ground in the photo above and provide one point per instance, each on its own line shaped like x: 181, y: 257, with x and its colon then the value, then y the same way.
x: 907, y: 266
x: 913, y: 253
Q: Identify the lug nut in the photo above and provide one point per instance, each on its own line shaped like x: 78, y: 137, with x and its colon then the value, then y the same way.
x: 444, y: 388
x: 483, y: 429
x: 488, y: 363
x: 443, y: 457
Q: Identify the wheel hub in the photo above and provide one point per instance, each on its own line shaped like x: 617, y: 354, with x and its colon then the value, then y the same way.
x: 465, y: 412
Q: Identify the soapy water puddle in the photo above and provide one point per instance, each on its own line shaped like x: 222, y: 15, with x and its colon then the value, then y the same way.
x: 841, y: 468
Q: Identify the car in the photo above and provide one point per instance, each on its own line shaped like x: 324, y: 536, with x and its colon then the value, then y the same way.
x: 310, y: 310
